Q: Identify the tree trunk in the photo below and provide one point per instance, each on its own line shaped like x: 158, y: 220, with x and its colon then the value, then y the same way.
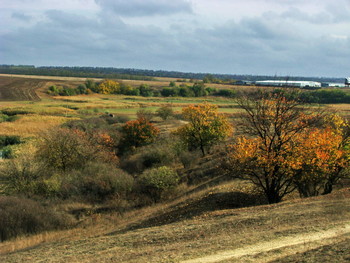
x: 273, y: 196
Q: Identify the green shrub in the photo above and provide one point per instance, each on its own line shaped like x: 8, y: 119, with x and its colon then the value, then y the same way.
x: 13, y: 112
x: 150, y: 156
x: 3, y: 117
x: 6, y: 152
x: 154, y: 182
x: 6, y: 140
x: 20, y: 216
x: 226, y: 93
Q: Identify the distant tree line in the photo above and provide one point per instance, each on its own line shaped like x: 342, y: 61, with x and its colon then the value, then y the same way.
x: 322, y: 96
x: 197, y: 89
x: 143, y: 74
x: 82, y: 72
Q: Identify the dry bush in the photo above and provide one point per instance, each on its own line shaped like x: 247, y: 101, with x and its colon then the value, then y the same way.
x: 98, y: 182
x: 20, y: 216
x: 20, y: 175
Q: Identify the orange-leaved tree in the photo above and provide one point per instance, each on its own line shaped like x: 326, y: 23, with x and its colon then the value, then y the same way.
x: 138, y: 133
x: 205, y: 126
x: 320, y: 156
x: 269, y: 122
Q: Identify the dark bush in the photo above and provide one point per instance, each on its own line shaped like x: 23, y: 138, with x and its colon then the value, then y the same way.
x: 226, y: 93
x: 7, y: 152
x: 13, y: 112
x: 20, y: 216
x: 6, y: 140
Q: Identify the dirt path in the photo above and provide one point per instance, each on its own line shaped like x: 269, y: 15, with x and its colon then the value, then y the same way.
x: 306, y: 240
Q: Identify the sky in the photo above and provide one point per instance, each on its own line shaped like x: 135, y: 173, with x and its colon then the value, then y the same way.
x: 257, y: 37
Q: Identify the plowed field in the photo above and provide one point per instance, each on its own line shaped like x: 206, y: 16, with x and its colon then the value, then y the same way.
x: 15, y: 89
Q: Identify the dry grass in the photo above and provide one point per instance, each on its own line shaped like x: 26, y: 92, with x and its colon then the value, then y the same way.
x: 202, y: 222
x: 130, y: 237
x: 31, y: 125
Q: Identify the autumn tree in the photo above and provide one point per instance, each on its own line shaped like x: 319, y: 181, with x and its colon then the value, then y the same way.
x: 108, y: 87
x: 320, y: 156
x: 138, y: 133
x: 270, y: 124
x: 205, y: 126
x: 65, y: 149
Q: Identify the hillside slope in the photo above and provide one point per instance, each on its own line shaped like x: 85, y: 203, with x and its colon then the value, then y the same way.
x: 254, y: 234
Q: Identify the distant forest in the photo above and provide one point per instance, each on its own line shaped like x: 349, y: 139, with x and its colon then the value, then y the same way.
x: 141, y: 74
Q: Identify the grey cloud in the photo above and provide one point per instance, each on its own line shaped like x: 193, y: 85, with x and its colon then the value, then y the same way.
x: 252, y: 46
x: 22, y: 17
x: 134, y: 8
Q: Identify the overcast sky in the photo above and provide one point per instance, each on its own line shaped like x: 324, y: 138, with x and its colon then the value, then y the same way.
x: 263, y: 37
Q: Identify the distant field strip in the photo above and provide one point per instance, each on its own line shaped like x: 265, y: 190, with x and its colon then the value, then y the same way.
x: 273, y: 245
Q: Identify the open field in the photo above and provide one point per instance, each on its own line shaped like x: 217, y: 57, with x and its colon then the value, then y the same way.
x: 28, y: 93
x: 218, y: 220
x: 220, y: 233
x: 19, y: 89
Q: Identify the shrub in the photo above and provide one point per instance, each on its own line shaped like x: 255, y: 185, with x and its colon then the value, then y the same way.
x: 20, y: 216
x: 65, y: 149
x: 7, y: 153
x: 6, y: 140
x: 154, y: 182
x: 169, y: 92
x: 150, y: 156
x: 165, y: 112
x: 99, y: 181
x: 20, y: 175
x: 48, y: 187
x: 13, y: 112
x: 3, y: 117
x: 226, y: 93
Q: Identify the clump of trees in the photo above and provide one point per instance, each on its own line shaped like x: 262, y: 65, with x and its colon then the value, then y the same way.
x: 198, y: 89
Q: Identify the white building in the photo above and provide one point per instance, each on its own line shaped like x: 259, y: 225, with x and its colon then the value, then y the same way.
x: 289, y: 83
x: 336, y: 85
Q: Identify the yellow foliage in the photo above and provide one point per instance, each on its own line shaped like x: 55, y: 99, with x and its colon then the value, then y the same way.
x: 108, y: 87
x: 206, y: 126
